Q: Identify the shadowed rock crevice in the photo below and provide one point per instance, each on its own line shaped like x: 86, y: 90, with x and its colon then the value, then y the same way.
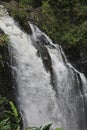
x: 77, y: 56
x: 5, y: 71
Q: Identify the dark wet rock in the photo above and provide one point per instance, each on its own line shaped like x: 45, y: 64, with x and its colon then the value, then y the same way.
x: 43, y: 53
x: 23, y: 23
x: 77, y: 56
x: 5, y: 72
x: 1, y: 31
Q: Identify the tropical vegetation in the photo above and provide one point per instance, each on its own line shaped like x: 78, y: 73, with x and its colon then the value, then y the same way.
x: 9, y: 117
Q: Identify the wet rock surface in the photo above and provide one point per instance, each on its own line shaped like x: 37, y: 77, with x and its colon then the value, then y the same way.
x: 5, y: 72
x: 77, y: 56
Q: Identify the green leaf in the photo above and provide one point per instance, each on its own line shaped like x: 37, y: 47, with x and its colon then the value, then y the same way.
x: 5, y: 124
x: 58, y: 129
x: 14, y: 109
x: 47, y: 127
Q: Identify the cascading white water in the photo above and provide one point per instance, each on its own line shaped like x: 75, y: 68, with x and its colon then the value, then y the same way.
x: 71, y: 86
x: 36, y: 97
x: 49, y: 89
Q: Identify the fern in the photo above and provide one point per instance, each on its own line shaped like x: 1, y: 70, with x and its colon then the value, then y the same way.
x: 10, y: 119
x: 47, y: 127
x: 5, y: 124
x: 14, y: 109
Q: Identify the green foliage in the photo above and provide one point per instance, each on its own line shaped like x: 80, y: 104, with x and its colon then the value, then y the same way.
x: 3, y: 44
x: 3, y: 39
x: 47, y: 127
x: 71, y: 21
x: 48, y: 16
x: 36, y: 3
x: 2, y: 100
x: 5, y: 124
x: 25, y: 2
x: 58, y: 129
x: 33, y: 3
x: 77, y: 35
x: 9, y: 117
x: 14, y: 116
x: 14, y: 109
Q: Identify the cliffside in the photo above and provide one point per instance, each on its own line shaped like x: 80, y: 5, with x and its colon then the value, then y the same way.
x: 5, y: 70
x: 77, y: 56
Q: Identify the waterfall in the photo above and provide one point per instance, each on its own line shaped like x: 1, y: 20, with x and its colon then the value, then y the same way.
x: 48, y: 89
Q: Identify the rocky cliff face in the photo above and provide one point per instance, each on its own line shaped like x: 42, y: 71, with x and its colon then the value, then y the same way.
x: 5, y: 72
x: 77, y: 56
